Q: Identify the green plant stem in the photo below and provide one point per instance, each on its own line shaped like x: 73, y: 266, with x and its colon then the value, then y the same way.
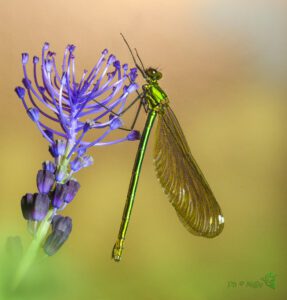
x: 32, y: 250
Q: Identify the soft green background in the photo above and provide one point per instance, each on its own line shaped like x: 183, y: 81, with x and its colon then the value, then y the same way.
x: 225, y: 70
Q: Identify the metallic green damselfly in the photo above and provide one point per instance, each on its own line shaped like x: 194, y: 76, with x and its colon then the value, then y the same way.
x: 176, y: 169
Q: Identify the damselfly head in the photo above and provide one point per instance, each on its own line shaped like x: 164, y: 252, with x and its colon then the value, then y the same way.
x: 153, y: 74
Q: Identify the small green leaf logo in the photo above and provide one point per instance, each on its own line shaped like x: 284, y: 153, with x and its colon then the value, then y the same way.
x: 270, y: 280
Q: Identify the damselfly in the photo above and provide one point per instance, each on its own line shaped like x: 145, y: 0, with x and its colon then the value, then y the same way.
x: 176, y: 169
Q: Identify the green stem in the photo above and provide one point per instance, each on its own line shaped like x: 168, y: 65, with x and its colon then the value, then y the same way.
x: 32, y: 251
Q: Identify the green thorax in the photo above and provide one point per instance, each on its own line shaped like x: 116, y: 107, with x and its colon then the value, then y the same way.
x: 155, y: 96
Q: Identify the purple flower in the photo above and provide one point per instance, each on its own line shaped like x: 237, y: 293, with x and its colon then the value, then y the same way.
x: 134, y: 135
x: 73, y: 116
x: 115, y: 123
x: 81, y: 162
x: 20, y: 92
x: 49, y: 166
x: 65, y: 109
x: 58, y: 148
x: 35, y: 206
x: 61, y: 229
x: 72, y: 187
x: 45, y: 181
x: 34, y: 114
x: 59, y: 195
x: 25, y: 58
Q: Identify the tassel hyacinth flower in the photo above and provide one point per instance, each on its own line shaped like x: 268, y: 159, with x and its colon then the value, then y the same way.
x: 65, y: 110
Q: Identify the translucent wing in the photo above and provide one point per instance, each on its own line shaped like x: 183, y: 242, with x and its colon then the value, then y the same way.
x: 182, y: 180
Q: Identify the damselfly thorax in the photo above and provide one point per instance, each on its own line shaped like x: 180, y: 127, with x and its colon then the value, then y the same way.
x: 154, y: 95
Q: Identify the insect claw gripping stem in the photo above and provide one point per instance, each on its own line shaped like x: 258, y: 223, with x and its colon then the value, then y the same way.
x: 118, y: 250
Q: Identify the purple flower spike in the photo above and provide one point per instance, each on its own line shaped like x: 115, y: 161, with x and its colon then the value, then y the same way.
x: 70, y: 104
x: 45, y: 181
x: 61, y: 229
x: 46, y: 46
x: 73, y: 113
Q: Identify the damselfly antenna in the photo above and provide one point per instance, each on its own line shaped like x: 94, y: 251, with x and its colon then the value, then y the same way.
x: 139, y: 58
x: 142, y: 70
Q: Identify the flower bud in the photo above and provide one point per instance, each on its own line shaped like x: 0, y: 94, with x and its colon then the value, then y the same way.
x: 49, y: 133
x: 61, y: 229
x: 27, y: 206
x: 132, y: 87
x: 105, y: 52
x: 20, y: 92
x: 25, y: 58
x: 134, y: 135
x: 111, y: 59
x: 115, y: 123
x: 34, y: 114
x: 45, y: 181
x: 81, y: 162
x: 35, y: 207
x: 72, y: 187
x: 49, y: 166
x: 87, y: 126
x: 35, y: 59
x: 61, y: 173
x: 133, y: 74
x: 27, y: 83
x: 48, y: 65
x: 71, y: 48
x: 59, y: 195
x: 117, y: 64
x: 58, y: 148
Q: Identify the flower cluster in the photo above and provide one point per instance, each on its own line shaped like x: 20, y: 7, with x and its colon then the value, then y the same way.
x: 65, y: 109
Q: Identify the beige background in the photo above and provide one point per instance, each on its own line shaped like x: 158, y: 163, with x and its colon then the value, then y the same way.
x: 225, y: 70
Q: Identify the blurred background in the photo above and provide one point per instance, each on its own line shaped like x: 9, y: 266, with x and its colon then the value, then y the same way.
x: 225, y: 69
